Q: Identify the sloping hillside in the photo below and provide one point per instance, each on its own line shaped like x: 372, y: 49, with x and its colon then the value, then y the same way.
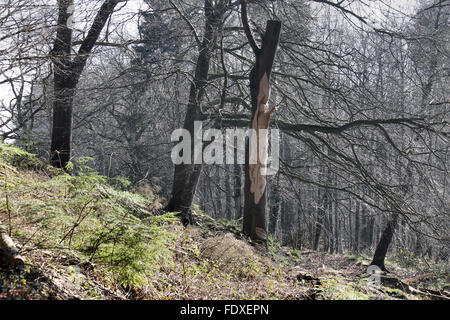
x: 83, y: 237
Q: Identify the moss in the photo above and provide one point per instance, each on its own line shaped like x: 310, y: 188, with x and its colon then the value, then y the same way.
x: 333, y: 289
x: 397, y: 293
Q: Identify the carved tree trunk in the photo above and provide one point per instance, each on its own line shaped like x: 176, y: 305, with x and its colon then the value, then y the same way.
x: 255, y: 211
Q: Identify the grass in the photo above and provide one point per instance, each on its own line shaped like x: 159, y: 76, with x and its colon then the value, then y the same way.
x: 84, y: 235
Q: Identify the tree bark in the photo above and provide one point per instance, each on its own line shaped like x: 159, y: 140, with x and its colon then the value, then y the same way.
x: 319, y: 223
x: 186, y: 176
x: 357, y: 229
x: 9, y: 250
x: 64, y: 85
x: 237, y: 190
x: 385, y: 241
x: 255, y: 200
x: 228, y: 197
x: 275, y: 206
x: 67, y: 73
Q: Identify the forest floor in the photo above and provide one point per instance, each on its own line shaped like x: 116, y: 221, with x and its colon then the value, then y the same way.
x: 82, y: 239
x: 209, y: 262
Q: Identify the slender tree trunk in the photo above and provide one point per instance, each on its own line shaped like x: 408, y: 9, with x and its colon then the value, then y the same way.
x: 237, y: 190
x: 331, y: 228
x: 363, y: 229
x: 337, y: 229
x: 186, y: 176
x: 326, y: 223
x: 319, y: 222
x: 356, y: 229
x: 370, y: 232
x: 219, y: 195
x: 385, y: 241
x: 350, y: 227
x: 275, y: 206
x: 228, y: 196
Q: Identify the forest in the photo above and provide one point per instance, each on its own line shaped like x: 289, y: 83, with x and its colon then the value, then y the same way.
x: 224, y: 149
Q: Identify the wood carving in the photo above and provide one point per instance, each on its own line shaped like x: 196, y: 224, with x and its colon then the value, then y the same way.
x: 259, y: 141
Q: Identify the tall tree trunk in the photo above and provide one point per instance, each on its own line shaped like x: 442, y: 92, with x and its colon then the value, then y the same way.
x: 363, y: 229
x: 228, y: 196
x: 67, y: 73
x: 186, y: 176
x: 237, y: 190
x: 337, y: 228
x: 275, y: 206
x: 330, y: 227
x: 385, y: 241
x: 370, y: 232
x: 64, y: 88
x: 356, y: 229
x: 319, y: 222
x: 255, y: 211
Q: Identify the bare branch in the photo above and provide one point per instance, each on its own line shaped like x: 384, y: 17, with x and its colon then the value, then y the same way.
x: 248, y: 32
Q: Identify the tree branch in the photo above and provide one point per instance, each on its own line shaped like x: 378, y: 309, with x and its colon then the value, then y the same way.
x: 247, y: 30
x: 231, y: 120
x: 89, y: 42
x: 197, y: 39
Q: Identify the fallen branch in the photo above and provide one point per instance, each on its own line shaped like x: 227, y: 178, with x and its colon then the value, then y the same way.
x: 424, y: 276
x: 9, y: 251
x: 393, y: 282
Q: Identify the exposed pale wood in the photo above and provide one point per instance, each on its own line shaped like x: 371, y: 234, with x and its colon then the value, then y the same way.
x: 9, y: 251
x: 255, y: 201
x: 259, y: 141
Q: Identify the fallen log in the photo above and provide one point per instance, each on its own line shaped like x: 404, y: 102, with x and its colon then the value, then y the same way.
x: 309, y: 278
x: 9, y: 251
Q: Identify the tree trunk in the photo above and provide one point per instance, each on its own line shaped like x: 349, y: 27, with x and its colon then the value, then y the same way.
x: 186, y: 176
x: 64, y: 89
x: 330, y: 227
x: 385, y: 241
x: 237, y: 190
x: 275, y: 206
x: 319, y: 223
x: 255, y: 211
x: 356, y: 229
x: 67, y: 73
x: 9, y: 250
x: 228, y: 196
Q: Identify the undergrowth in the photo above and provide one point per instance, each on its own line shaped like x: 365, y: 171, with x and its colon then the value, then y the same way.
x: 81, y: 215
x: 89, y: 222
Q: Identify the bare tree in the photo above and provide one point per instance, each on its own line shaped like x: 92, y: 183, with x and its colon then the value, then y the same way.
x: 67, y: 72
